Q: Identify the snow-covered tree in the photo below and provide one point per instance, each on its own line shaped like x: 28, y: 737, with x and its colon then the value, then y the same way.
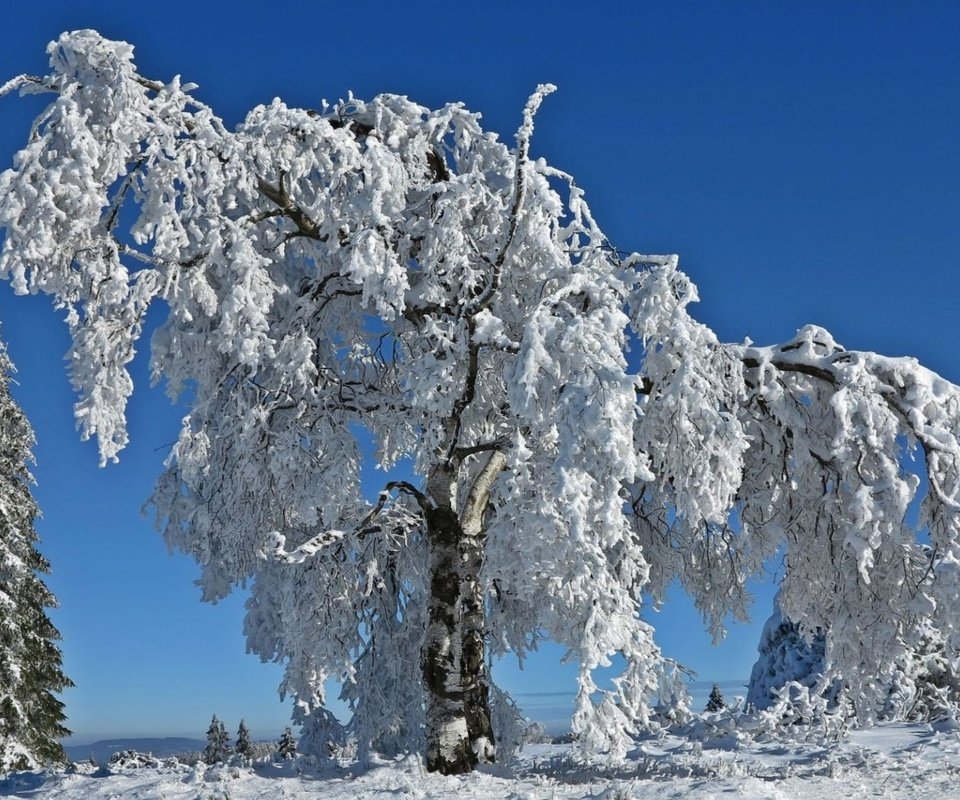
x: 715, y: 702
x: 218, y: 742
x: 244, y: 746
x: 925, y: 684
x: 381, y: 274
x: 922, y: 683
x: 785, y: 655
x: 31, y: 715
x: 287, y: 746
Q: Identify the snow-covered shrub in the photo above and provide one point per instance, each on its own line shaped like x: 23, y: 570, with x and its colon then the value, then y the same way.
x: 132, y: 759
x: 674, y: 705
x: 801, y: 714
x: 189, y: 758
x: 727, y: 728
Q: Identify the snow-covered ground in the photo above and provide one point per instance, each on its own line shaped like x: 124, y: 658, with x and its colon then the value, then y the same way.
x: 889, y: 761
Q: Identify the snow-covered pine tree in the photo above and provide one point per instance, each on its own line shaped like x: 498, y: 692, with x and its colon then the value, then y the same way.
x: 382, y: 272
x: 243, y: 747
x: 218, y: 742
x: 715, y: 702
x: 287, y: 746
x: 31, y: 715
x: 785, y: 655
x: 920, y: 684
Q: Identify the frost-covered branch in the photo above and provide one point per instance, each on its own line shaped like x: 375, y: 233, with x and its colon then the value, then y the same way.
x: 279, y: 197
x: 30, y: 81
x: 481, y: 447
x: 524, y: 135
x: 275, y: 547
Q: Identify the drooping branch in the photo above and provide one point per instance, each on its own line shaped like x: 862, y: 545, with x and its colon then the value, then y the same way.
x: 790, y: 365
x: 823, y: 370
x: 275, y: 547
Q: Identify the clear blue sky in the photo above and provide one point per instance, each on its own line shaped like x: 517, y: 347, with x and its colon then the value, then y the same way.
x: 801, y: 157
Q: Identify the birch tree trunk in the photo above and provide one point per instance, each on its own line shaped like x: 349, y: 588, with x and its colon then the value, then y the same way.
x: 459, y: 730
x: 448, y: 740
x: 476, y: 681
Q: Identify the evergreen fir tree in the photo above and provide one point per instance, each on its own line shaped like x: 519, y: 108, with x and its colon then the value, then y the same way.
x: 31, y: 716
x: 218, y: 744
x: 287, y: 746
x: 786, y: 655
x: 244, y: 746
x: 923, y: 684
x: 715, y: 701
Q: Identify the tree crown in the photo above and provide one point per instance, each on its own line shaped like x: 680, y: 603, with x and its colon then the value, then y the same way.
x: 378, y: 271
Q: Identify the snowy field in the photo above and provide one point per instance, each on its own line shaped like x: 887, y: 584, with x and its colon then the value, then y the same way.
x: 889, y: 761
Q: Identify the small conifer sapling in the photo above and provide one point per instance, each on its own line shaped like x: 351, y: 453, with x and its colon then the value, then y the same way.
x: 715, y: 702
x: 244, y: 746
x: 287, y: 746
x: 218, y: 745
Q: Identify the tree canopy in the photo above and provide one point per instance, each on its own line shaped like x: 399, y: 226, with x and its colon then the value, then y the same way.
x: 377, y: 271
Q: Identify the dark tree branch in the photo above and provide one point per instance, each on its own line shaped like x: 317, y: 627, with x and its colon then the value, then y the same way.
x: 814, y: 371
x: 460, y: 453
x: 359, y: 129
x: 399, y: 486
x: 438, y: 167
x: 487, y: 296
x: 279, y: 197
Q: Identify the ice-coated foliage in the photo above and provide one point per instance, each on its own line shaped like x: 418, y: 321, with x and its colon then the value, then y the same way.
x: 31, y: 716
x: 379, y: 272
x: 926, y: 683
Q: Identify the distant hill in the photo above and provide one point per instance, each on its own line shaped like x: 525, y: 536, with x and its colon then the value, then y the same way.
x: 102, y: 750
